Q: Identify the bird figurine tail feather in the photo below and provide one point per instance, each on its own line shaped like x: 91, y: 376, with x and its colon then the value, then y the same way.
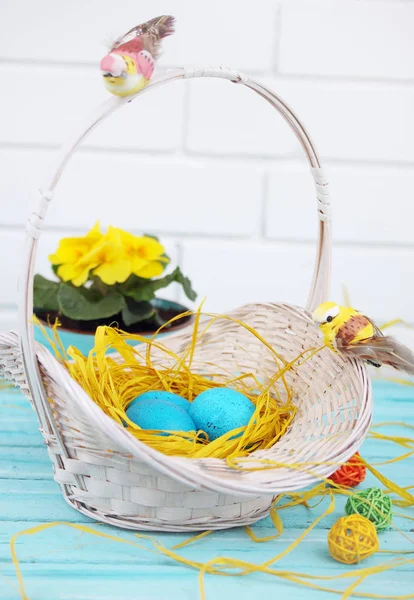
x: 129, y: 66
x: 347, y: 331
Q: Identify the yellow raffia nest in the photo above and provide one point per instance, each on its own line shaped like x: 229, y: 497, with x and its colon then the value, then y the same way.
x: 113, y: 382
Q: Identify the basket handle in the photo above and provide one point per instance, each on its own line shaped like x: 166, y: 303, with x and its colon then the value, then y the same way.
x: 321, y: 278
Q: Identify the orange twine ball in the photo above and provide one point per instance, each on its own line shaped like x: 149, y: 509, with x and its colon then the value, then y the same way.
x: 350, y: 473
x: 351, y: 539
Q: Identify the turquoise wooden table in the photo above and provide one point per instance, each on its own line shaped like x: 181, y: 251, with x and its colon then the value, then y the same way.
x: 61, y: 563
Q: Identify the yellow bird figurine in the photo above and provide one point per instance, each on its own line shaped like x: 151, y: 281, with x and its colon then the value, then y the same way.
x: 347, y: 331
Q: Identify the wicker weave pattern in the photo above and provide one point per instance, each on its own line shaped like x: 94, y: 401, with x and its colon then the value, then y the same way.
x: 110, y: 476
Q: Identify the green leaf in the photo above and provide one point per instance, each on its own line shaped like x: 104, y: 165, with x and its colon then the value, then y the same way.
x: 130, y: 284
x: 55, y: 270
x: 151, y: 235
x: 45, y: 293
x: 144, y: 289
x: 167, y: 260
x: 92, y: 294
x: 140, y: 290
x: 81, y: 304
x: 137, y: 311
x: 186, y: 283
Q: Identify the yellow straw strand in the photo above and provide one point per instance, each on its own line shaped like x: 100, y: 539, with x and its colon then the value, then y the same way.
x: 191, y: 540
x: 277, y: 522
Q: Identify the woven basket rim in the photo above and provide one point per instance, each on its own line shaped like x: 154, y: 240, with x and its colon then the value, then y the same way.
x: 120, y: 436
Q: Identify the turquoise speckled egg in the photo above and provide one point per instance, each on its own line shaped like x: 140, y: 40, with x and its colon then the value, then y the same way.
x: 219, y: 410
x: 160, y: 415
x: 165, y: 396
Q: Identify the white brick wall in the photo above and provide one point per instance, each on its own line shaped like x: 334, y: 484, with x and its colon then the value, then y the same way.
x: 208, y: 165
x: 348, y: 39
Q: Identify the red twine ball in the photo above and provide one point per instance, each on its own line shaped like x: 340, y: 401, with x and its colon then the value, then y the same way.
x: 350, y: 473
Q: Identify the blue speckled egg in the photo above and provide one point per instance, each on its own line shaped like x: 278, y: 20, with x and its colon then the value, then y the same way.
x: 165, y: 396
x: 161, y: 415
x: 219, y: 410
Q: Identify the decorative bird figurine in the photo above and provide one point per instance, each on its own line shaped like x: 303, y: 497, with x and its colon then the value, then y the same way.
x: 347, y: 331
x: 129, y: 66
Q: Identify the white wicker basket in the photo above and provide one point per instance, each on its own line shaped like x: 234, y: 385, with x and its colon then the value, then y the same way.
x: 112, y: 477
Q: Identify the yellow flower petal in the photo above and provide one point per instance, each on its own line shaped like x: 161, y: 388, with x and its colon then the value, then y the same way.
x: 95, y: 232
x: 138, y: 263
x: 106, y: 249
x: 54, y: 259
x: 127, y: 239
x: 66, y: 272
x: 96, y: 253
x: 81, y: 279
x: 148, y: 247
x: 72, y: 249
x: 153, y: 269
x: 65, y: 252
x: 117, y: 271
x: 72, y: 272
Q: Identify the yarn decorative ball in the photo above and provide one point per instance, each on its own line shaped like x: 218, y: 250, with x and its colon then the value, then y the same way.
x: 351, y: 539
x: 217, y: 411
x: 350, y: 473
x: 165, y: 396
x: 373, y: 505
x: 160, y: 415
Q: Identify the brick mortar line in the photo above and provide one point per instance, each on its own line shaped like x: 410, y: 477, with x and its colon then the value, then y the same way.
x: 180, y: 238
x: 272, y: 72
x: 194, y: 156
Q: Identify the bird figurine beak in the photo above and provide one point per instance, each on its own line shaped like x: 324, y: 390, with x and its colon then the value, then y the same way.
x: 112, y: 65
x: 321, y: 312
x: 317, y: 315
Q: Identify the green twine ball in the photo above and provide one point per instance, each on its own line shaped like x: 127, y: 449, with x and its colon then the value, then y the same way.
x: 373, y: 505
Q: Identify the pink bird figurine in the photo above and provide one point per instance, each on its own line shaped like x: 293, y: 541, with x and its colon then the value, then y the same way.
x: 129, y: 66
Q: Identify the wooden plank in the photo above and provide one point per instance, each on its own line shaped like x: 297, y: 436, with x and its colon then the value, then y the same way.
x: 66, y: 545
x: 124, y: 583
x: 66, y: 564
x: 25, y: 470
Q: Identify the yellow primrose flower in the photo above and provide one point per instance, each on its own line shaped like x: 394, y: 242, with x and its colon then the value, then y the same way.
x: 70, y: 254
x: 112, y: 257
x: 145, y: 254
x: 111, y: 264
